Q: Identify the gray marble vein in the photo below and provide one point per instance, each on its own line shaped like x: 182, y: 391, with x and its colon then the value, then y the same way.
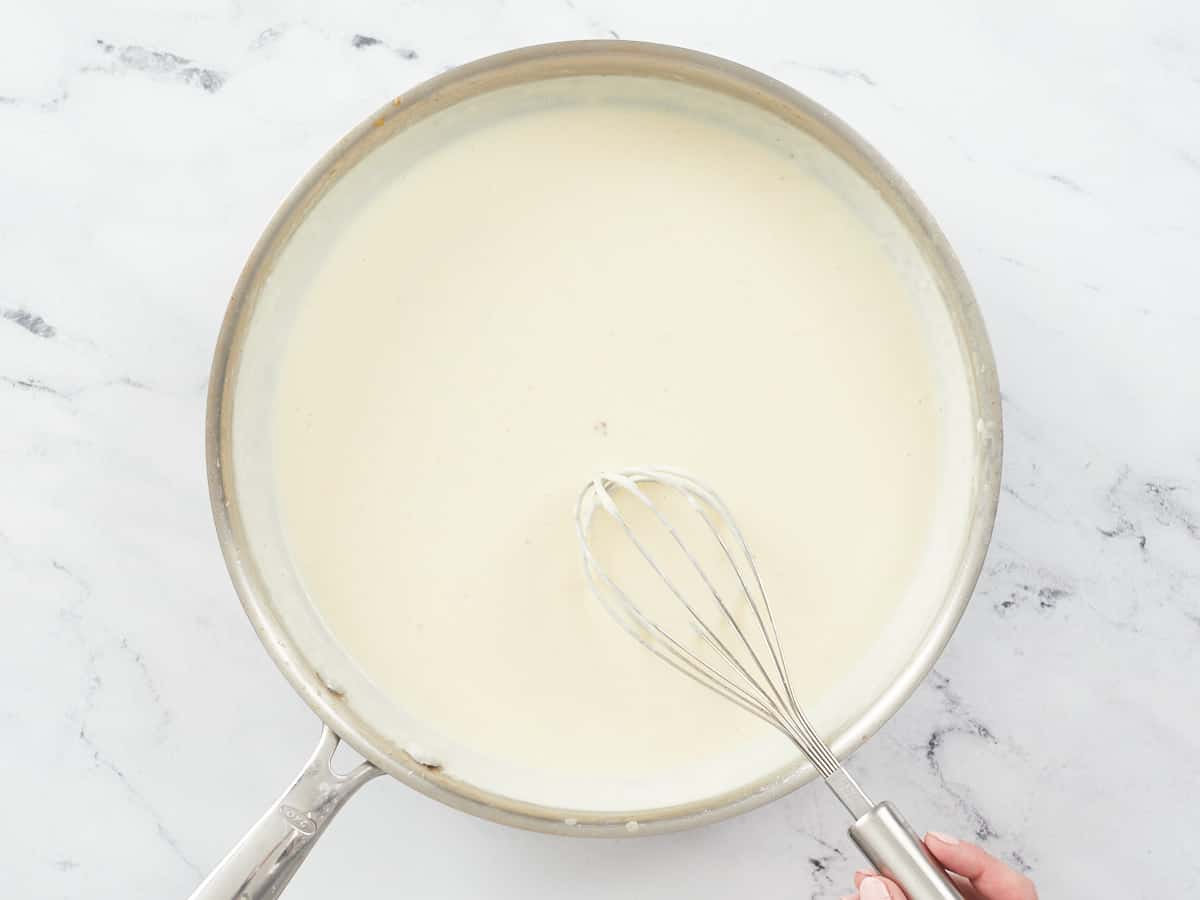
x: 34, y: 324
x: 161, y: 64
x: 366, y: 41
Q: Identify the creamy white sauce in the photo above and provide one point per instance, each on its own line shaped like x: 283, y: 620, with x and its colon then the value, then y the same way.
x: 534, y: 297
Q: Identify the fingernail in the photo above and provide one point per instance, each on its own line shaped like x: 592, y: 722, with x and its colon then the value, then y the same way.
x: 861, y: 874
x: 944, y: 838
x: 850, y: 897
x: 873, y: 889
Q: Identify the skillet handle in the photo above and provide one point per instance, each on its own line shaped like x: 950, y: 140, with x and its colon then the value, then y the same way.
x: 264, y: 861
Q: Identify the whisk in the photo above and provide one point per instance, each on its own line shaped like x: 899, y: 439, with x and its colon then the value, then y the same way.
x: 724, y: 636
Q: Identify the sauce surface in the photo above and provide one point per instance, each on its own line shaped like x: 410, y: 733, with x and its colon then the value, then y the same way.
x: 586, y: 287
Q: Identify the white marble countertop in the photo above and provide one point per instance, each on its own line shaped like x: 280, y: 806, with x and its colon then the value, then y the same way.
x: 144, y: 145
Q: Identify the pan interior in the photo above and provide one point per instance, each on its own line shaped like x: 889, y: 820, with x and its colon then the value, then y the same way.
x: 572, y: 274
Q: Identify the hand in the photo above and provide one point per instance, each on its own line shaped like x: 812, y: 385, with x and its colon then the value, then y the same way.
x: 976, y: 873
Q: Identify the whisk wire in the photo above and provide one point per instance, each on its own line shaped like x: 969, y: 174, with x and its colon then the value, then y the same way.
x: 674, y: 654
x: 770, y: 638
x: 772, y: 699
x: 821, y: 756
x: 705, y: 632
x: 760, y: 704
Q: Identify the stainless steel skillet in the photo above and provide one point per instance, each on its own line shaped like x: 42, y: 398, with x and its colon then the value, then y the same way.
x: 250, y: 536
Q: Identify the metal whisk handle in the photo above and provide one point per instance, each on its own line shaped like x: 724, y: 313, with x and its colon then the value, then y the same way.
x: 895, y: 850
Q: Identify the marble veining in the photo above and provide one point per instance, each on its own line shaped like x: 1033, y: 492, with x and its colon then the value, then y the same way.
x: 35, y: 325
x: 161, y: 64
x: 144, y: 149
x: 365, y: 41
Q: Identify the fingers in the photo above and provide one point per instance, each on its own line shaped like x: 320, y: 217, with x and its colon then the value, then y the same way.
x: 874, y: 887
x: 990, y: 877
x: 963, y: 886
x: 975, y: 872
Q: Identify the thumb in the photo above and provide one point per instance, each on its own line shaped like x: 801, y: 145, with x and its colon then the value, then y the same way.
x: 876, y: 887
x: 990, y: 877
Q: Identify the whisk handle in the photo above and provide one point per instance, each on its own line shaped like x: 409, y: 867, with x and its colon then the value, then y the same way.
x: 895, y: 850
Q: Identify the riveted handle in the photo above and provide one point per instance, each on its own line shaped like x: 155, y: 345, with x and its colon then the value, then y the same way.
x: 895, y: 850
x: 264, y: 861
